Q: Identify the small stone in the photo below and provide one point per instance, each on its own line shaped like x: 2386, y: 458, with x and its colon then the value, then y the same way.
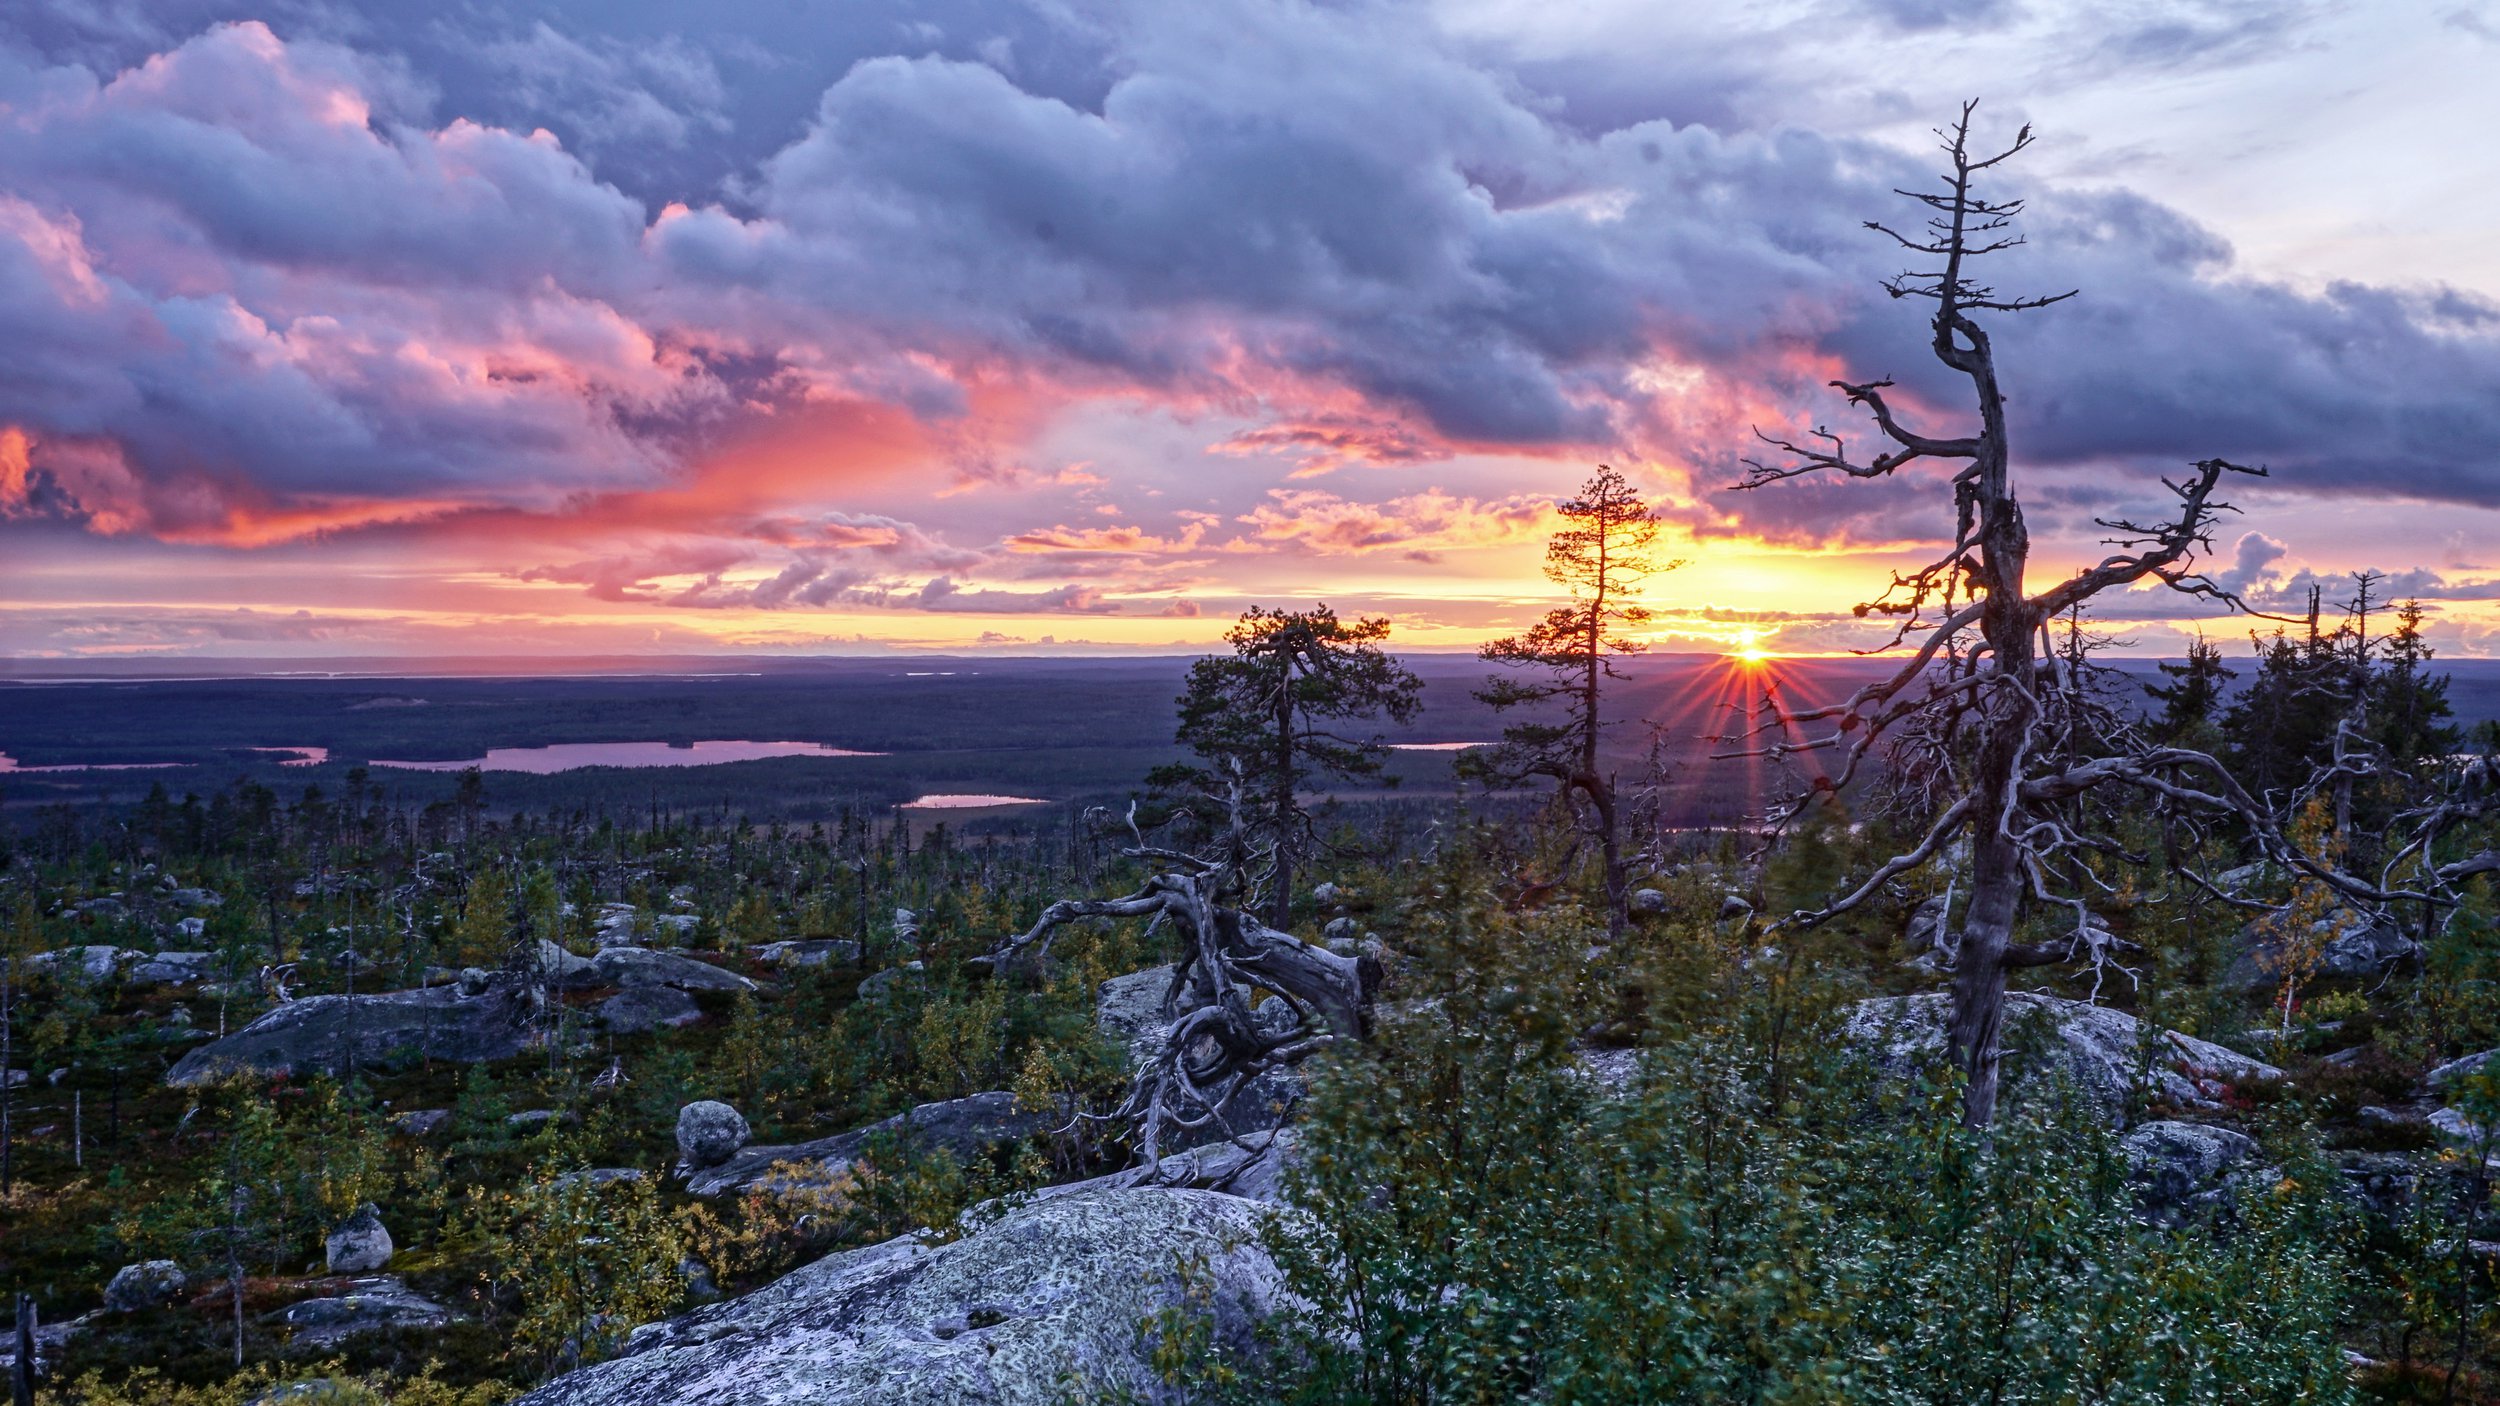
x: 710, y: 1132
x: 1648, y: 901
x: 360, y: 1245
x: 147, y: 1284
x: 420, y: 1122
x: 881, y: 986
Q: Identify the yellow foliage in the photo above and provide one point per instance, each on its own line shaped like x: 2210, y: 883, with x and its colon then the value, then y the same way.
x: 148, y: 1387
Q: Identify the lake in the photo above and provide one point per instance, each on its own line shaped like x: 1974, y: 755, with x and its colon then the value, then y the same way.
x: 569, y: 756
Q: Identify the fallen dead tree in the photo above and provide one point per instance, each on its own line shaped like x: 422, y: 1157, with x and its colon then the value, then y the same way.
x: 1244, y: 998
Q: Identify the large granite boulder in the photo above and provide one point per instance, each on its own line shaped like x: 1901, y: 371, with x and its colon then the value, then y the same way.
x: 1042, y: 1306
x: 964, y: 1127
x: 147, y: 1284
x: 642, y: 966
x: 710, y: 1132
x: 361, y: 1244
x: 320, y: 1034
x: 2096, y: 1047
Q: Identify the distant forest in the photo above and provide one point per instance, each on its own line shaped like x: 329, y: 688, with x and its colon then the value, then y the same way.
x: 1074, y: 731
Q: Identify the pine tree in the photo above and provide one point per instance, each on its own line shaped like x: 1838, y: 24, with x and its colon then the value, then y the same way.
x: 2408, y: 705
x: 1602, y: 557
x: 1262, y: 721
x: 2192, y: 701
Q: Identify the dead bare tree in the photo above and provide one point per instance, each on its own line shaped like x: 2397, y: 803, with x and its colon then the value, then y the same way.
x: 1215, y: 1040
x: 1981, y: 717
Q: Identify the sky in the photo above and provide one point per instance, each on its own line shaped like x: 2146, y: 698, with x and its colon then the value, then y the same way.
x: 568, y: 327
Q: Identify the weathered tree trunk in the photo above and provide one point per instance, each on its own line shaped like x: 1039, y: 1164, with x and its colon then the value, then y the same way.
x: 22, y: 1370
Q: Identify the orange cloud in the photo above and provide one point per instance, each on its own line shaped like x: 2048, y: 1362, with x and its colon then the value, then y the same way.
x: 1419, y: 524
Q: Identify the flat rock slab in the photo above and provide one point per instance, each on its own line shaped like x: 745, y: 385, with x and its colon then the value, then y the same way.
x: 810, y: 952
x: 963, y: 1126
x: 641, y: 966
x: 639, y: 1009
x: 1040, y: 1307
x: 321, y: 1034
x: 366, y: 1305
x: 2096, y: 1046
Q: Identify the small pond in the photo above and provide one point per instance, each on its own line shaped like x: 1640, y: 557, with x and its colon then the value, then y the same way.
x: 567, y: 756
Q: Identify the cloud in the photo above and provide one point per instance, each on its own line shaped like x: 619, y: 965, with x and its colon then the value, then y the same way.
x: 1307, y: 520
x: 946, y: 594
x: 337, y: 270
x: 1118, y: 541
x: 2252, y: 563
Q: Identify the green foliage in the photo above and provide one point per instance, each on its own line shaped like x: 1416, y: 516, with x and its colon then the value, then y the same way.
x: 589, y: 1261
x: 1262, y: 722
x: 1486, y: 1222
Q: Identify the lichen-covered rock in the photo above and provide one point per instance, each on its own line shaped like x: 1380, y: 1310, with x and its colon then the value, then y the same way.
x: 961, y: 1126
x: 147, y: 1284
x: 1129, y: 1009
x: 169, y: 969
x: 2181, y: 1170
x: 1647, y: 902
x: 2456, y: 1069
x: 637, y: 1010
x: 1042, y: 1306
x: 559, y: 967
x: 2093, y: 1045
x: 420, y: 1122
x: 322, y: 1034
x: 2346, y: 943
x: 93, y: 963
x: 368, y: 1305
x: 642, y: 966
x: 810, y: 952
x: 361, y: 1244
x: 881, y: 986
x: 710, y: 1132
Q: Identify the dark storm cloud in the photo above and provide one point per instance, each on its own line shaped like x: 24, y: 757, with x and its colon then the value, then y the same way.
x: 332, y: 257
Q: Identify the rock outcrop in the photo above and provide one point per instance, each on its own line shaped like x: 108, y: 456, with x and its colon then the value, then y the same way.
x: 643, y: 966
x: 322, y: 1034
x: 169, y: 969
x: 2182, y: 1170
x: 1042, y: 1306
x: 810, y: 952
x: 366, y: 1305
x: 964, y: 1127
x: 638, y: 1010
x: 2093, y: 1045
